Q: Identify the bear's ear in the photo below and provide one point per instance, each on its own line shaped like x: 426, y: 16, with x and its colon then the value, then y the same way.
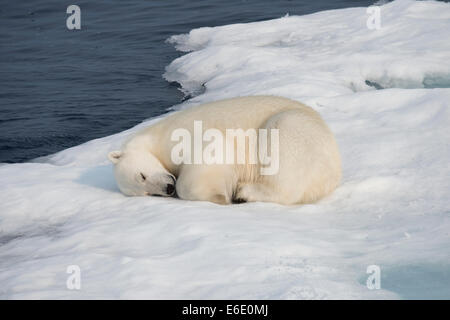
x: 114, y: 156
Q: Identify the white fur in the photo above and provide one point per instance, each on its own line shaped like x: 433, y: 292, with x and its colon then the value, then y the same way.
x: 309, y: 167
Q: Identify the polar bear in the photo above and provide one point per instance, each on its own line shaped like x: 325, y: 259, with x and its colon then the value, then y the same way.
x: 308, y: 168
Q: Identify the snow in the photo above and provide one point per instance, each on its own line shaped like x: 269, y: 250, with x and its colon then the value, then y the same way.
x: 392, y: 209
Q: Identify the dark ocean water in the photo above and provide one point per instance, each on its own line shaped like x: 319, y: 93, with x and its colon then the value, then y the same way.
x: 60, y: 88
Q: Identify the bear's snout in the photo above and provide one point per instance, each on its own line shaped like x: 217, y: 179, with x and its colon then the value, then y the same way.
x: 170, y: 188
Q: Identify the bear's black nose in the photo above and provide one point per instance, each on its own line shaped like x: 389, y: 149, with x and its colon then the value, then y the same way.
x: 170, y: 189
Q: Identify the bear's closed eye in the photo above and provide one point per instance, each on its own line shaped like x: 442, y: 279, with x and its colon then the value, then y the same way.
x: 143, y: 177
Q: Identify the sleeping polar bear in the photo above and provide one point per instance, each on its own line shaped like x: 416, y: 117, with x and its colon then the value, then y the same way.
x: 305, y: 158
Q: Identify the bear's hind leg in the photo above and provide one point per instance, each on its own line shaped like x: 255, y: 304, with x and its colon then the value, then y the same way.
x: 259, y: 192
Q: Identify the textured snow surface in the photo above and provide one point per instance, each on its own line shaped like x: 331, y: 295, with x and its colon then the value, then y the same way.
x: 392, y: 209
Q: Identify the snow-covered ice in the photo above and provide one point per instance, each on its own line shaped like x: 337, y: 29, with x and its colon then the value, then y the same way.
x: 392, y: 209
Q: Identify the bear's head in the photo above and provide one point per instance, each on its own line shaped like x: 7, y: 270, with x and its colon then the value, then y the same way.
x: 141, y: 174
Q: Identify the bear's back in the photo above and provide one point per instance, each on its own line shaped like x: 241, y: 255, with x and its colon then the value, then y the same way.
x: 241, y: 112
